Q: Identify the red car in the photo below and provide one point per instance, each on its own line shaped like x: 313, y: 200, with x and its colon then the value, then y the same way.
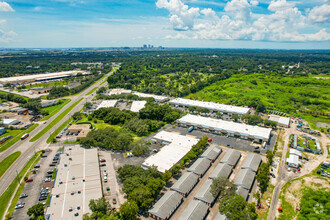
x: 28, y: 180
x: 102, y: 160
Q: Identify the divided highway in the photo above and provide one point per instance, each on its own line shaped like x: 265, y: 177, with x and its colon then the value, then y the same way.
x: 29, y: 148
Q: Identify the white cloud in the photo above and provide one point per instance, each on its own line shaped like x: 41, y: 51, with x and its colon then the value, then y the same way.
x: 7, y: 36
x: 284, y: 23
x: 181, y: 17
x: 2, y: 21
x: 178, y: 36
x: 320, y: 14
x: 4, y: 6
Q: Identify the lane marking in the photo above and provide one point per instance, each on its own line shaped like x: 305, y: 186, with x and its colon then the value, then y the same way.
x: 66, y: 187
x: 84, y: 183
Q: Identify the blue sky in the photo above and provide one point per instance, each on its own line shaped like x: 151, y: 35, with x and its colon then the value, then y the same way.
x: 272, y: 24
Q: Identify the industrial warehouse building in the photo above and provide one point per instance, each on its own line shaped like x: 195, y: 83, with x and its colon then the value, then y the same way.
x: 158, y: 98
x: 165, y: 207
x: 196, y: 210
x: 107, y: 104
x: 212, y: 106
x: 119, y: 91
x: 281, y: 121
x: 200, y: 166
x: 245, y: 178
x: 185, y: 183
x: 231, y: 157
x: 137, y: 105
x: 10, y: 121
x: 40, y: 77
x: 176, y: 147
x: 222, y: 169
x: 212, y: 152
x: 242, y: 192
x: 222, y: 127
x: 204, y: 193
x: 252, y: 162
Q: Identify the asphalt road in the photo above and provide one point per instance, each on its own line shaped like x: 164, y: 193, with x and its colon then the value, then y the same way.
x: 29, y: 148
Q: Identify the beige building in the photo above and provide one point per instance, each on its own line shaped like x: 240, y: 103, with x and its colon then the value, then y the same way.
x: 81, y: 129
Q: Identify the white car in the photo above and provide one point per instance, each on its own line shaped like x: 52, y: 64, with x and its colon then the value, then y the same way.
x: 105, y: 179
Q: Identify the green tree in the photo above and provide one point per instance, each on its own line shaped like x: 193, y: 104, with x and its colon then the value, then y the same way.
x: 142, y: 196
x: 236, y: 208
x: 77, y: 115
x: 36, y: 212
x: 139, y: 147
x: 235, y: 117
x: 88, y: 104
x: 129, y: 210
x: 223, y: 186
x: 99, y: 205
x: 262, y: 176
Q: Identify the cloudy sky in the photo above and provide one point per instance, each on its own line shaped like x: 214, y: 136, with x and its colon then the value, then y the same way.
x: 284, y: 24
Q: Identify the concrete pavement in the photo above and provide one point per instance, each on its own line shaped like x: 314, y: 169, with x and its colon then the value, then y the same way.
x: 29, y: 148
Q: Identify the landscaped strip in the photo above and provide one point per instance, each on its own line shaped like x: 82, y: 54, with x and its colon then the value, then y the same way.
x: 55, y: 121
x: 90, y: 92
x: 8, y: 161
x: 6, y: 196
x: 17, y: 138
x: 54, y: 109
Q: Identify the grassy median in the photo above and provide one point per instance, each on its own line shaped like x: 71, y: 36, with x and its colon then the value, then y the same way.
x: 54, y: 109
x: 6, y: 196
x: 8, y: 161
x: 55, y: 121
x: 90, y: 92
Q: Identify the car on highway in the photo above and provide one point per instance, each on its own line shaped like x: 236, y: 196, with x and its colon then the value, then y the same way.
x: 29, y: 180
x: 23, y: 196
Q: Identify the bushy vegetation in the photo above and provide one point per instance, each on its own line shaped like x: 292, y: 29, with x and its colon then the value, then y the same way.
x: 271, y: 91
x: 12, y: 97
x: 141, y: 186
x: 263, y: 172
x: 315, y: 204
x: 236, y: 208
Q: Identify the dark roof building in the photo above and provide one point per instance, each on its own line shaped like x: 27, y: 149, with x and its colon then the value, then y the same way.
x: 231, y: 157
x: 242, y: 192
x: 165, y: 207
x: 212, y: 152
x: 245, y: 178
x: 252, y: 162
x: 200, y: 166
x: 204, y: 193
x: 185, y: 183
x: 196, y: 210
x: 222, y: 169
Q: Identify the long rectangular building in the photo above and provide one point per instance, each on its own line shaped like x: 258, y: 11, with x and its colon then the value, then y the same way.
x: 76, y: 183
x: 212, y: 106
x: 229, y: 128
x: 176, y: 147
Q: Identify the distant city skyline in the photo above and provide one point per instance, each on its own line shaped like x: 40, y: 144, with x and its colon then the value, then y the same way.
x: 260, y: 24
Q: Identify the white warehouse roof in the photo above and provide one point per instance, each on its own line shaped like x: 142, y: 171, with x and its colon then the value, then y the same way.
x: 107, y: 104
x: 156, y: 97
x: 137, y: 105
x: 227, y: 126
x: 280, y: 120
x: 119, y: 91
x: 211, y: 106
x: 170, y: 154
x: 295, y: 152
x: 10, y: 121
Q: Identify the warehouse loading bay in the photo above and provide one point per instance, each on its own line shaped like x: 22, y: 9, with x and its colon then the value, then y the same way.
x: 232, y: 142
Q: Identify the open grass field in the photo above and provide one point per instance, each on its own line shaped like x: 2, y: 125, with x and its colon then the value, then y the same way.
x: 55, y: 121
x: 8, y: 161
x: 17, y: 137
x: 54, y: 109
x: 6, y: 196
x: 282, y: 93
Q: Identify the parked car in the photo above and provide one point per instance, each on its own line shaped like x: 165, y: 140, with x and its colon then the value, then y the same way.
x: 37, y: 166
x: 23, y: 196
x: 102, y: 160
x: 29, y: 180
x: 19, y: 205
x: 44, y: 155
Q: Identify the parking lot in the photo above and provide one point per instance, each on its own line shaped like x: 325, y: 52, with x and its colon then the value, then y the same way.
x: 232, y: 142
x: 32, y: 189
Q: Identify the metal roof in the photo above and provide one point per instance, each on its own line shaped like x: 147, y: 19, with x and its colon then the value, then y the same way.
x: 245, y: 178
x: 228, y: 126
x: 204, y: 193
x: 252, y: 162
x: 222, y: 169
x: 167, y: 204
x: 200, y: 166
x: 211, y: 106
x: 231, y: 157
x: 185, y: 182
x: 242, y: 192
x: 196, y: 210
x: 212, y: 152
x: 137, y: 105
